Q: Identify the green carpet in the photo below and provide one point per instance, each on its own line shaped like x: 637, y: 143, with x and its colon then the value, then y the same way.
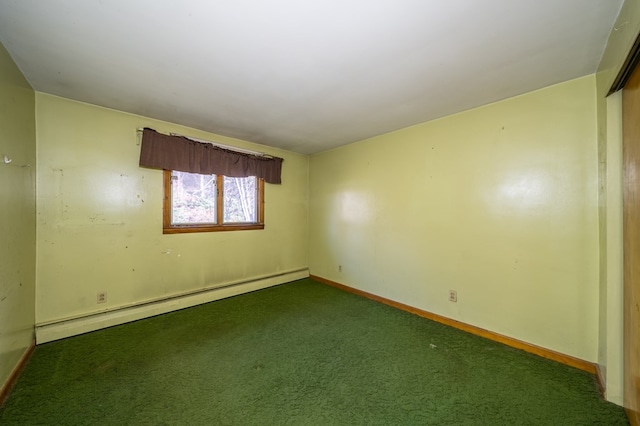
x: 303, y: 354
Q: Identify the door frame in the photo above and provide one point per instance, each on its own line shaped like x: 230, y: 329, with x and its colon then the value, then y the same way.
x: 631, y: 211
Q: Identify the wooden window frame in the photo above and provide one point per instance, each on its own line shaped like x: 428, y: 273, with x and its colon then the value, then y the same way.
x: 169, y: 228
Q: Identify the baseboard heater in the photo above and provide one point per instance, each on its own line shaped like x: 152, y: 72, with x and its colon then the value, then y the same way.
x: 60, y: 329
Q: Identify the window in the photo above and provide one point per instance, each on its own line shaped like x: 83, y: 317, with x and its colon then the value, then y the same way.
x: 206, y: 203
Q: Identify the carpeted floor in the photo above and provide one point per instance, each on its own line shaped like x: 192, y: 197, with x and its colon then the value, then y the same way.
x: 303, y: 354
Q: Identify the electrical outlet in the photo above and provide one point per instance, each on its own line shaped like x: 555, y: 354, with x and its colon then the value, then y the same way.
x: 339, y: 268
x: 453, y: 296
x: 102, y: 297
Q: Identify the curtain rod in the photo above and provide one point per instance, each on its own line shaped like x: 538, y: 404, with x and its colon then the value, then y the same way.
x: 140, y: 130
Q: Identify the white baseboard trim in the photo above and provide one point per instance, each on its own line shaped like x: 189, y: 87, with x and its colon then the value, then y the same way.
x: 73, y: 326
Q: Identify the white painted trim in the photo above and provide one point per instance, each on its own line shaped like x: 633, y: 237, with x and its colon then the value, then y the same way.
x: 74, y: 326
x: 614, y: 370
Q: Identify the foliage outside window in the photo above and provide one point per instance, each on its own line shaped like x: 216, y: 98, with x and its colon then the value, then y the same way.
x: 206, y: 203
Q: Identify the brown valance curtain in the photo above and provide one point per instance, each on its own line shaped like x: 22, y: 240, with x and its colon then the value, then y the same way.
x: 168, y: 152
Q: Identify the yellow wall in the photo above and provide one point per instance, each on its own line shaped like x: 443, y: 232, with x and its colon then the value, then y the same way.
x: 17, y: 215
x: 620, y: 41
x: 498, y: 203
x: 100, y: 217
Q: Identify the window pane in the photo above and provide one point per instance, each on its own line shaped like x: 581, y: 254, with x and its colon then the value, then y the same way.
x: 240, y: 203
x: 193, y: 198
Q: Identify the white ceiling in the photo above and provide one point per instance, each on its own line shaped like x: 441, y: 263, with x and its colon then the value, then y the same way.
x: 305, y: 76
